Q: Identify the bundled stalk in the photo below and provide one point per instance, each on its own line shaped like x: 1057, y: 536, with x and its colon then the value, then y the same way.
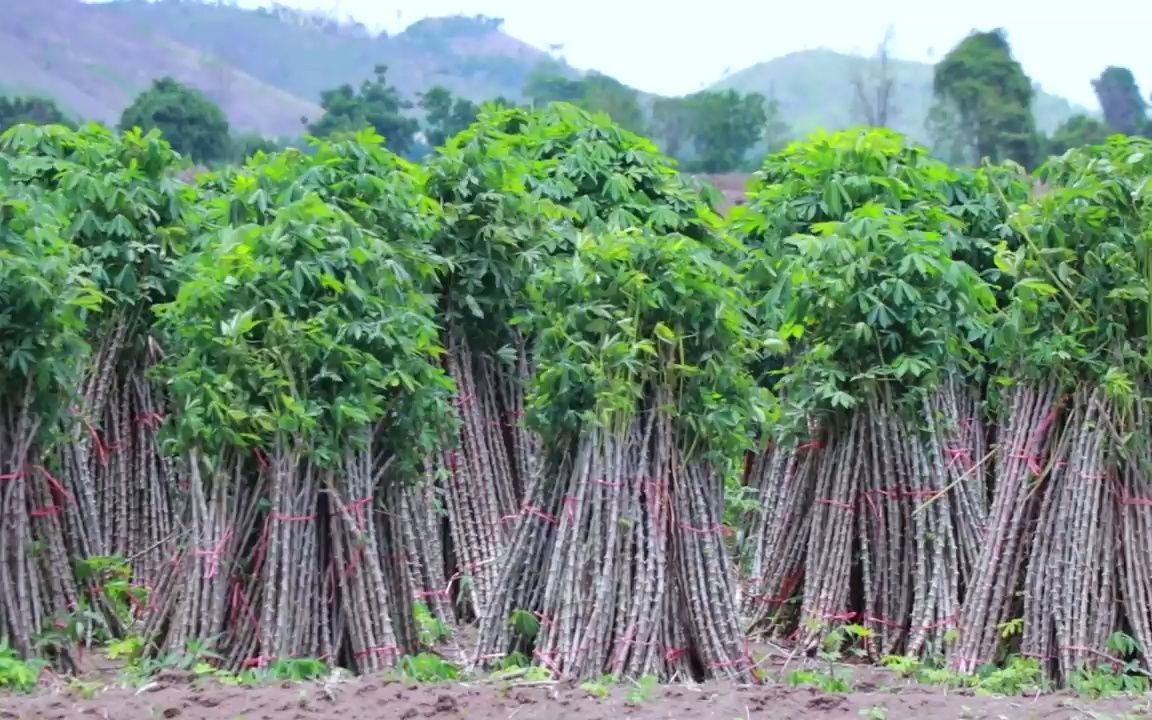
x: 480, y: 491
x: 878, y: 297
x: 1071, y: 606
x: 335, y: 371
x: 34, y: 589
x: 959, y: 446
x: 42, y: 312
x: 779, y: 532
x: 619, y: 564
x: 424, y: 544
x: 828, y: 562
x: 122, y: 205
x: 191, y: 600
x: 1135, y: 541
x: 1022, y: 451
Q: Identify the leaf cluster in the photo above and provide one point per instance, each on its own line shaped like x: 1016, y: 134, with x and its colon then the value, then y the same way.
x: 516, y: 183
x: 632, y: 313
x: 875, y: 299
x: 305, y: 311
x: 1080, y: 307
x: 611, y: 178
x: 44, y: 303
x: 872, y: 264
x: 124, y: 204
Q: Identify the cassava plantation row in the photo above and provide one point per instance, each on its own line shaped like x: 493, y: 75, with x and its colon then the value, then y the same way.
x: 335, y: 405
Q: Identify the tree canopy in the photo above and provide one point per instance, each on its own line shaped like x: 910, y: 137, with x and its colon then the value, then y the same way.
x: 376, y: 105
x: 31, y: 110
x: 1124, y: 107
x: 445, y: 114
x: 984, y: 101
x: 194, y: 125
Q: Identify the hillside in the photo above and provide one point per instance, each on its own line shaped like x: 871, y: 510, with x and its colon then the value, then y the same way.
x: 93, y: 63
x: 267, y: 68
x: 814, y: 89
x: 305, y: 54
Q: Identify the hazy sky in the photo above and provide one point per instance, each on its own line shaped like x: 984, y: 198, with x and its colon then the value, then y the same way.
x: 678, y: 46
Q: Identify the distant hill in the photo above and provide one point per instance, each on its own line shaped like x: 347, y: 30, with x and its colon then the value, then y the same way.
x: 814, y: 89
x: 93, y: 62
x: 307, y: 53
x: 268, y: 67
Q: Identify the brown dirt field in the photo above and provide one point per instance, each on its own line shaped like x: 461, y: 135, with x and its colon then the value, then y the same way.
x: 172, y: 695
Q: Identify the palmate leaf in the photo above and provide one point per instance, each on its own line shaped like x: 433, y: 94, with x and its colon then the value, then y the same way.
x: 312, y: 314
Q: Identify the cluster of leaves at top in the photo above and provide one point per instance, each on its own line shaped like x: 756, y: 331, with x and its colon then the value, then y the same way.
x: 306, y: 292
x: 562, y: 225
x: 872, y: 264
x: 305, y: 307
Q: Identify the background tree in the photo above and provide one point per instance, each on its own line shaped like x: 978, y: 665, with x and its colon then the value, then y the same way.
x: 376, y: 105
x: 194, y: 125
x: 245, y: 145
x: 672, y: 124
x: 725, y: 126
x: 984, y: 98
x: 1077, y: 131
x: 874, y: 84
x: 1124, y: 108
x: 445, y: 115
x: 594, y: 93
x: 30, y: 110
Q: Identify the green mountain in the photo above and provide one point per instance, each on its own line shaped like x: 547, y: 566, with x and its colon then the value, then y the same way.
x: 308, y: 53
x: 815, y: 89
x: 92, y: 62
x: 268, y: 67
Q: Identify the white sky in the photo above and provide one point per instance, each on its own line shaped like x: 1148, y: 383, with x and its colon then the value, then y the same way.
x: 678, y: 46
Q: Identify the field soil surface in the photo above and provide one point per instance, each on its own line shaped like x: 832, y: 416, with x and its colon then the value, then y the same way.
x: 176, y: 696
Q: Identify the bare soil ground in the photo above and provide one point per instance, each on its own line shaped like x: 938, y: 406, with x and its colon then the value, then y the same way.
x: 174, y: 695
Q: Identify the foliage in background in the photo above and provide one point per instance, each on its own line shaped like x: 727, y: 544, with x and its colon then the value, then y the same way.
x: 1125, y: 109
x: 194, y: 125
x: 445, y: 115
x: 984, y: 101
x: 376, y: 104
x: 32, y: 110
x: 715, y: 131
x: 1077, y: 131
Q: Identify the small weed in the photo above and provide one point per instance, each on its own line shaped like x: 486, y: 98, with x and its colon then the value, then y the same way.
x: 427, y: 667
x: 600, y: 688
x: 431, y: 629
x: 85, y: 690
x: 15, y: 673
x: 642, y: 692
x: 835, y: 680
x: 876, y: 712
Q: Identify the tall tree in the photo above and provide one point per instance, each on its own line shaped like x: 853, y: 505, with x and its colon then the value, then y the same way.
x: 874, y: 83
x: 194, y: 125
x: 445, y: 115
x: 1124, y: 108
x: 987, y: 97
x: 29, y: 110
x: 375, y: 105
